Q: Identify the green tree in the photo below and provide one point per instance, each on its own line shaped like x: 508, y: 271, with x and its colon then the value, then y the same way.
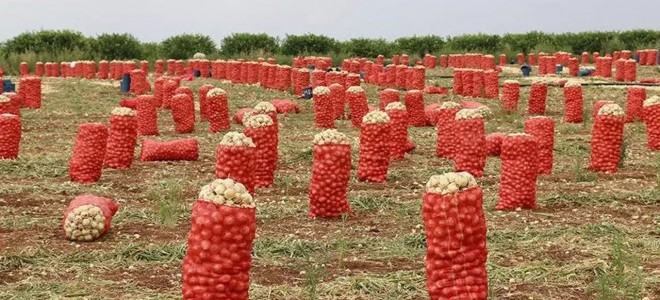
x: 245, y: 43
x: 117, y: 46
x: 184, y: 46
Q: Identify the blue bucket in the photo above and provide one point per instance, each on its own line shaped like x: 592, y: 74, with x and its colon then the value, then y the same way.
x: 8, y: 86
x: 526, y: 70
x: 361, y: 74
x: 307, y: 92
x: 125, y: 83
x: 585, y: 72
x: 559, y: 68
x: 197, y: 73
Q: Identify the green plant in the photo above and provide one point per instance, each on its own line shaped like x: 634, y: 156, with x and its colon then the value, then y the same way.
x: 622, y: 279
x: 46, y: 41
x: 167, y: 196
x: 309, y: 44
x: 238, y: 43
x: 184, y: 46
x: 117, y: 46
x: 420, y: 45
x: 365, y: 47
x: 488, y: 43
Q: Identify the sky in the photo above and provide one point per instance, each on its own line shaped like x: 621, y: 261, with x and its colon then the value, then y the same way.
x: 155, y: 20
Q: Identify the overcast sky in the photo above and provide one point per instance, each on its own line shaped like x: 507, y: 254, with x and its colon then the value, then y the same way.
x: 155, y: 20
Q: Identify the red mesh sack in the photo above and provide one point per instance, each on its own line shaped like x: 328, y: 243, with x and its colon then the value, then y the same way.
x: 651, y: 117
x: 470, y: 142
x: 374, y: 156
x: 324, y: 110
x: 503, y: 60
x: 217, y: 110
x: 457, y: 88
x: 185, y: 90
x: 446, y: 136
x: 285, y: 106
x: 431, y: 114
x: 418, y: 78
x: 543, y: 129
x: 414, y: 101
x: 139, y: 84
x: 634, y: 102
x: 573, y: 67
x: 606, y: 67
x: 103, y: 70
x: 338, y: 98
x: 620, y: 72
x: 10, y: 103
x: 380, y: 59
x: 491, y: 85
x: 176, y: 150
x: 160, y: 67
x: 352, y: 80
x: 169, y: 89
x: 263, y: 74
x: 24, y: 69
x: 218, y: 258
x: 395, y: 59
x: 240, y: 114
x: 386, y: 97
x: 203, y: 105
x: 158, y: 90
x: 455, y: 228
x: 39, y: 69
x: 300, y: 80
x: 521, y: 58
x: 171, y: 68
x: 477, y: 83
x: 178, y: 68
x: 519, y: 172
x: 467, y: 81
x: 398, y: 140
x: 235, y: 159
x: 585, y: 58
x: 318, y: 78
x: 129, y: 103
x: 283, y: 75
x: 597, y: 105
x: 88, y: 218
x: 331, y: 171
x: 86, y: 163
x: 147, y: 115
x: 267, y: 108
x: 537, y: 97
x: 357, y: 103
x: 607, y: 139
x: 183, y: 113
x: 404, y: 59
x: 29, y: 89
x: 400, y: 81
x: 391, y: 75
x: 510, y: 95
x: 630, y: 74
x: 494, y: 143
x: 444, y: 61
x: 262, y: 130
x: 573, y: 102
x: 272, y: 77
x: 122, y: 138
x: 531, y: 59
x: 253, y: 72
x: 10, y: 135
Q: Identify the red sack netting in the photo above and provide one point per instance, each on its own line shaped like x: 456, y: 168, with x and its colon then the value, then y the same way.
x: 23, y: 69
x: 585, y: 58
x: 597, y: 105
x: 404, y: 59
x: 217, y: 110
x: 607, y: 139
x: 331, y: 171
x: 89, y: 69
x: 352, y: 80
x: 204, y: 68
x: 634, y: 102
x: 400, y: 81
x: 573, y: 102
x: 183, y: 113
x: 494, y: 143
x: 318, y: 78
x: 29, y: 89
x: 606, y: 67
x: 543, y: 129
x: 158, y: 90
x: 122, y: 138
x: 263, y: 73
x: 235, y: 159
x: 467, y: 81
x: 399, y: 142
x: 531, y: 59
x: 169, y: 90
x: 139, y: 83
x: 86, y: 163
x: 218, y: 260
x: 444, y: 62
x: 395, y: 59
x: 446, y: 136
x: 253, y: 72
x: 537, y: 96
x: 130, y: 103
x: 414, y: 101
x: 272, y: 76
x: 651, y: 117
x: 39, y: 69
x: 171, y: 68
x: 179, y: 70
x: 491, y: 84
x: 300, y: 80
x: 455, y: 226
x: 457, y: 88
x: 10, y: 135
x: 470, y: 142
x: 338, y: 98
x: 418, y: 78
x: 652, y: 58
x: 285, y: 106
x: 160, y: 67
x: 630, y: 73
x: 127, y: 67
x: 620, y: 72
x: 283, y: 76
x: 87, y: 218
x: 386, y: 97
x: 380, y: 59
x: 241, y: 113
x: 203, y: 104
x: 626, y: 54
x: 503, y: 60
x: 176, y: 150
x: 324, y: 110
x: 510, y: 95
x: 521, y: 58
x: 519, y: 172
x: 374, y: 156
x: 10, y: 103
x: 185, y: 90
x: 263, y: 131
x: 357, y: 104
x: 573, y: 66
x: 431, y: 114
x: 477, y: 83
x: 390, y: 76
x: 103, y: 70
x: 147, y: 115
x: 267, y: 108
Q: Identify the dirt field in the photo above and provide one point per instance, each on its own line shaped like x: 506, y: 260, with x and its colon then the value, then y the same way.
x: 592, y: 236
